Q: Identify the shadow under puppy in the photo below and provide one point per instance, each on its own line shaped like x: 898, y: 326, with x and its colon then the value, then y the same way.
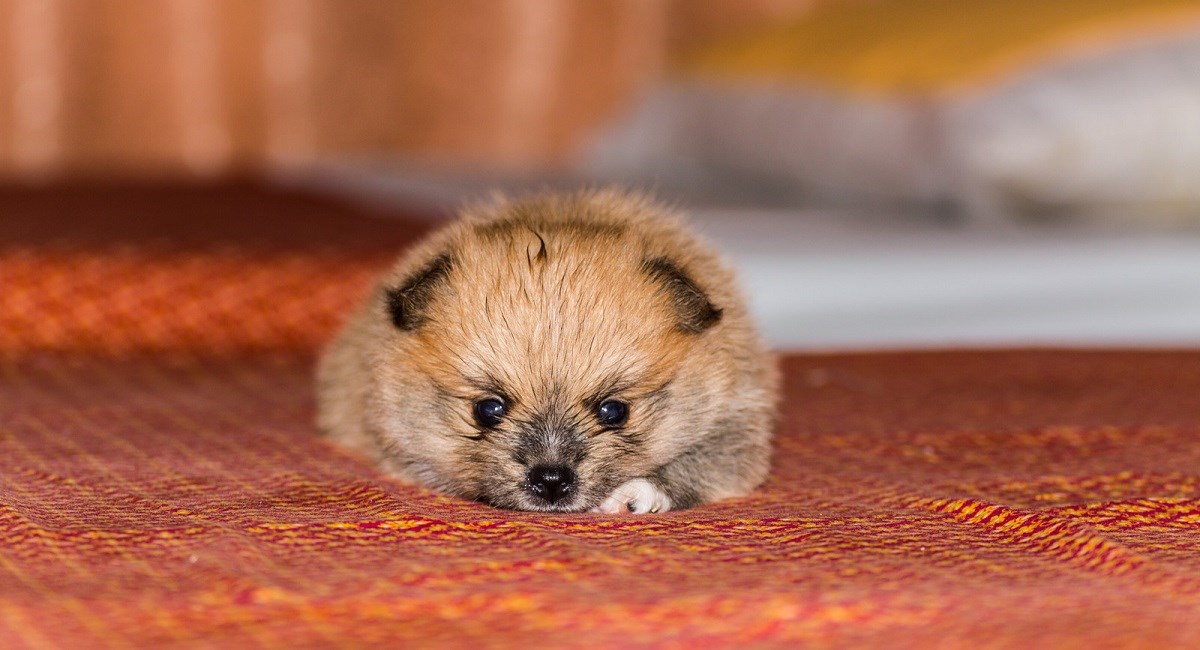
x: 560, y: 353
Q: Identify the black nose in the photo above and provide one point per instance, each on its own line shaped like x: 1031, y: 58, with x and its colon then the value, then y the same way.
x: 551, y: 483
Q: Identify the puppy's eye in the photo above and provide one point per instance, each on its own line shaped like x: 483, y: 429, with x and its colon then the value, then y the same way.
x: 489, y: 412
x: 612, y: 413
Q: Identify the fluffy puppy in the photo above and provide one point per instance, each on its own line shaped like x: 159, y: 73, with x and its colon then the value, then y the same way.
x: 560, y: 353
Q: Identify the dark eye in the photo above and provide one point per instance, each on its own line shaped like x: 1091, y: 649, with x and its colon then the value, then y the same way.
x: 489, y: 412
x: 612, y: 413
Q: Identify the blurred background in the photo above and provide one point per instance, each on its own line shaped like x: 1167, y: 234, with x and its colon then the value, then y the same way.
x: 887, y: 173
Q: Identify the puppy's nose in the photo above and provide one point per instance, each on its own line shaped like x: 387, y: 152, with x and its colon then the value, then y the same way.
x: 551, y: 483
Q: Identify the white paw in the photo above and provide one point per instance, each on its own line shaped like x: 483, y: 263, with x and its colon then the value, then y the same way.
x: 638, y: 496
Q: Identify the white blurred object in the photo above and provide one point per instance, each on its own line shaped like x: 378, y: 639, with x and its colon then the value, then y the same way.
x: 1117, y: 135
x: 1109, y: 134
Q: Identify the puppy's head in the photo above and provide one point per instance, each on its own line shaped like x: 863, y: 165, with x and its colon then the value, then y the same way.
x: 546, y: 361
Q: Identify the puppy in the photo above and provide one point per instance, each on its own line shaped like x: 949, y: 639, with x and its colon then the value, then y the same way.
x: 561, y: 353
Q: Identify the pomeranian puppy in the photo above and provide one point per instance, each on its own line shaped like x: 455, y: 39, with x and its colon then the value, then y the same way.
x: 561, y: 353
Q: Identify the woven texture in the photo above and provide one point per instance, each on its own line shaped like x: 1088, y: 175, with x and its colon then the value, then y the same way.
x: 161, y: 485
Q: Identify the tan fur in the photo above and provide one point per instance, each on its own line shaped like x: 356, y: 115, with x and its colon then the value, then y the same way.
x: 550, y: 301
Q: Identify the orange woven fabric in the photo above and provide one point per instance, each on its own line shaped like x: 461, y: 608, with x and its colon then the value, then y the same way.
x: 154, y: 496
x: 182, y: 270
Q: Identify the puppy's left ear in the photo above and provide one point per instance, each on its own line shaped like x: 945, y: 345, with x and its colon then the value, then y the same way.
x: 407, y: 303
x: 695, y: 311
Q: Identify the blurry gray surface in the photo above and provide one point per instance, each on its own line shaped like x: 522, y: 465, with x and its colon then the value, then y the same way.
x: 818, y: 279
x: 819, y: 282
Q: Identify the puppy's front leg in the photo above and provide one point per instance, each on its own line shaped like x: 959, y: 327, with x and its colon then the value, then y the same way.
x: 724, y: 465
x: 638, y: 496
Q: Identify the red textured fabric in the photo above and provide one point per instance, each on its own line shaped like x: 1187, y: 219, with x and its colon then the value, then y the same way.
x: 160, y: 493
x: 224, y: 270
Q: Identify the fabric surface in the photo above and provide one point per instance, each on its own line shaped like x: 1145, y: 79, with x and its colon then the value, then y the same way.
x: 182, y: 269
x: 157, y: 494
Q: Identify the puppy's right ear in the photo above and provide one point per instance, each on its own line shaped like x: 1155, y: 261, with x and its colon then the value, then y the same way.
x: 695, y: 311
x: 407, y: 303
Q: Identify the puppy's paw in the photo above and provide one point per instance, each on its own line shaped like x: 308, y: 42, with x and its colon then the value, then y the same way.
x: 638, y: 496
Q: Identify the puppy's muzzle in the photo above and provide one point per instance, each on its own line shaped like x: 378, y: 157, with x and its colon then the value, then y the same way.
x: 551, y: 483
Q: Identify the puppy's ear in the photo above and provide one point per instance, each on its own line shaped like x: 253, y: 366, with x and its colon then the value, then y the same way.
x: 695, y: 311
x: 406, y: 304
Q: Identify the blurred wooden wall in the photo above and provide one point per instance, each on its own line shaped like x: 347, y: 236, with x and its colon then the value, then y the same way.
x: 209, y: 86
